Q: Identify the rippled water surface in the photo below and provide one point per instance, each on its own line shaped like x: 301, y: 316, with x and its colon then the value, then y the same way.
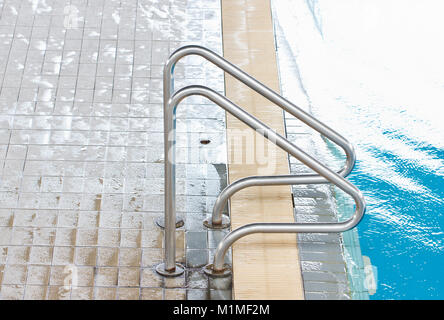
x: 374, y: 71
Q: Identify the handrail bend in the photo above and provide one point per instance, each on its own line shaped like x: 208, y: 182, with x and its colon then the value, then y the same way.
x: 254, y: 181
x: 168, y: 87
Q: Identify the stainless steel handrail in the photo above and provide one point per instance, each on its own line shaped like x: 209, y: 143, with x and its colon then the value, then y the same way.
x: 168, y: 88
x: 169, y: 267
x: 283, y: 143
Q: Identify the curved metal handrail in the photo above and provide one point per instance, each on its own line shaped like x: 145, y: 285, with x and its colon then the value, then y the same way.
x: 254, y: 181
x: 168, y: 87
x: 281, y: 142
x: 169, y: 267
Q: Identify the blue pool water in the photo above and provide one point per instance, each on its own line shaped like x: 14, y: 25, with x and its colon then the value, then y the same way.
x: 374, y: 71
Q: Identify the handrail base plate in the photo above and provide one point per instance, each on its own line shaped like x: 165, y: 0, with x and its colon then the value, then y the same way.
x: 179, y: 270
x: 225, y: 272
x: 225, y: 223
x: 160, y: 222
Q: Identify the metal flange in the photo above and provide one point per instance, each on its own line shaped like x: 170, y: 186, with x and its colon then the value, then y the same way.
x: 225, y: 272
x: 160, y: 268
x: 210, y: 225
x: 161, y: 222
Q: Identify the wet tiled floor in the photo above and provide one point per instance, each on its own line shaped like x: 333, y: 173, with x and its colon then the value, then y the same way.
x: 81, y: 148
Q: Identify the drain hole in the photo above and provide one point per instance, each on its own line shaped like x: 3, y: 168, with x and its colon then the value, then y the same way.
x: 204, y: 141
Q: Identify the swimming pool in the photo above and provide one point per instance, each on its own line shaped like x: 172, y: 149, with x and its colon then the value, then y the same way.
x: 374, y: 72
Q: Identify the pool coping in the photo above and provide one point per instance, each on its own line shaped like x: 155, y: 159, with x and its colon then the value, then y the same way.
x: 260, y: 260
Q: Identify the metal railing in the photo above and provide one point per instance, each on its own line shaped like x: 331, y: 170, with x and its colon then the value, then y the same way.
x: 325, y: 175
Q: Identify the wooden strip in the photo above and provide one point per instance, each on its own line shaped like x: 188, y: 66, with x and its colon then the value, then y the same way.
x: 265, y: 266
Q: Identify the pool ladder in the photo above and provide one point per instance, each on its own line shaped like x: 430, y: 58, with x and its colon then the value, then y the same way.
x: 171, y: 100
